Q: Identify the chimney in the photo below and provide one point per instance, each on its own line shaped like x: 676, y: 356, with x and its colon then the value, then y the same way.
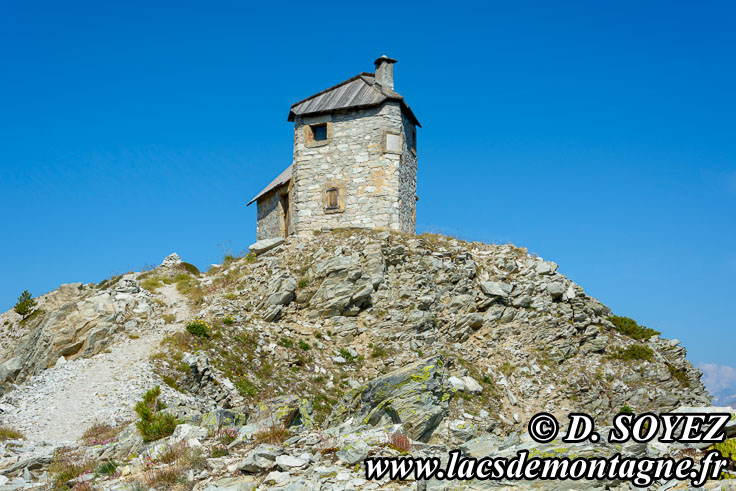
x: 385, y: 72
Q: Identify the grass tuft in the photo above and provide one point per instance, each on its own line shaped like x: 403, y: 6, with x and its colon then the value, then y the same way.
x: 7, y: 433
x: 629, y: 327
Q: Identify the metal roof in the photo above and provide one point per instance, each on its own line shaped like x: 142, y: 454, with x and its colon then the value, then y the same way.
x: 282, y: 179
x: 361, y: 91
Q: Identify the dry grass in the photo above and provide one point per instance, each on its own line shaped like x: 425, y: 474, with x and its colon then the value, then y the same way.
x: 101, y: 434
x: 178, y: 458
x: 67, y: 465
x: 399, y: 442
x: 166, y: 477
x: 7, y: 433
x: 275, y: 435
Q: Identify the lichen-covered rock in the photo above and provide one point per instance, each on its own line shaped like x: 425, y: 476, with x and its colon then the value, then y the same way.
x: 416, y: 396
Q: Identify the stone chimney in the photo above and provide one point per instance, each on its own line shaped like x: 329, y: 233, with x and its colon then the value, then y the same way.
x: 385, y: 72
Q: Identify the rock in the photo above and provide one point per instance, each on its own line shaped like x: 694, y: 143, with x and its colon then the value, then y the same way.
x: 171, y: 261
x: 231, y: 484
x: 220, y: 418
x: 456, y: 383
x: 495, y: 289
x: 352, y: 453
x: 261, y: 458
x: 546, y: 267
x: 288, y: 410
x: 281, y: 290
x: 263, y: 246
x: 342, y: 292
x: 10, y: 369
x: 185, y: 432
x: 277, y: 478
x: 522, y: 301
x: 416, y: 396
x: 471, y: 385
x: 31, y: 463
x: 287, y: 462
x: 273, y: 313
x: 556, y: 289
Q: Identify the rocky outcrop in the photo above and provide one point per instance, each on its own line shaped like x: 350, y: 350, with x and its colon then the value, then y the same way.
x: 416, y: 397
x: 323, y: 350
x: 77, y: 322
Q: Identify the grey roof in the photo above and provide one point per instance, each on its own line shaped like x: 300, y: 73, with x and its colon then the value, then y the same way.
x: 282, y: 179
x: 361, y: 91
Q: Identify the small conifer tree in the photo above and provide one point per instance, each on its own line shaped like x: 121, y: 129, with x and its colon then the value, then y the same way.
x: 25, y: 304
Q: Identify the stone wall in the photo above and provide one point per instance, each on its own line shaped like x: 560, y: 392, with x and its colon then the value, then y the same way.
x: 408, y: 181
x: 357, y: 160
x: 270, y: 221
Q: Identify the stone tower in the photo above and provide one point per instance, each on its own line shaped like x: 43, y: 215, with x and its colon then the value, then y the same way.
x: 355, y: 161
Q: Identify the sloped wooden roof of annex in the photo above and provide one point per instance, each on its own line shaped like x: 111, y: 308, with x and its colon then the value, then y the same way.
x: 360, y: 91
x: 280, y: 180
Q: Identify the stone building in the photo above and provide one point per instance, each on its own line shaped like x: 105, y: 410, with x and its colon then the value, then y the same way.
x: 355, y: 161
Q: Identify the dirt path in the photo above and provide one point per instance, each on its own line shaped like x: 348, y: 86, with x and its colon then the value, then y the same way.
x: 61, y: 403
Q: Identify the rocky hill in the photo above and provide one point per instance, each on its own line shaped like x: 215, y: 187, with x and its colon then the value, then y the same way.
x: 286, y: 367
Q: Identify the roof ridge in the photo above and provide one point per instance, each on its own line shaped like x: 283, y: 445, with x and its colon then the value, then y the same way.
x: 360, y: 75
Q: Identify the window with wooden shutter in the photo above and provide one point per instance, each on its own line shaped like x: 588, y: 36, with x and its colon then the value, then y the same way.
x: 333, y: 201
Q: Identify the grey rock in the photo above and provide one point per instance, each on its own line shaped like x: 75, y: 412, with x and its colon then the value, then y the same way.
x: 171, y: 261
x: 288, y: 462
x: 496, y: 289
x: 416, y: 396
x: 353, y: 453
x: 556, y: 289
x: 273, y: 313
x: 261, y: 458
x: 522, y: 301
x: 263, y: 246
x: 231, y: 484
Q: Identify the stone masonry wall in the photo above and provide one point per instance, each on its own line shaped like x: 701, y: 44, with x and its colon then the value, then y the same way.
x: 269, y: 216
x: 407, y: 181
x: 354, y: 161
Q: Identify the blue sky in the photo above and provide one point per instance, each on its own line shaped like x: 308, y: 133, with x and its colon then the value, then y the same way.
x: 599, y: 135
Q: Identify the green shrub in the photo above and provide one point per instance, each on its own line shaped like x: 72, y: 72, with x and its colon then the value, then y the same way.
x: 25, y: 304
x: 303, y: 283
x: 228, y: 320
x: 629, y: 327
x: 626, y: 409
x: 171, y: 382
x: 199, y: 328
x: 347, y: 355
x: 378, y: 352
x: 304, y: 345
x: 727, y: 448
x: 154, y: 424
x: 286, y: 343
x: 151, y: 284
x: 65, y: 466
x: 679, y: 374
x: 633, y: 352
x: 245, y: 387
x: 107, y: 468
x: 190, y: 268
x: 219, y: 451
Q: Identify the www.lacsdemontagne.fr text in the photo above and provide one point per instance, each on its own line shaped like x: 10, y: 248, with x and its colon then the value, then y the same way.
x: 640, y: 472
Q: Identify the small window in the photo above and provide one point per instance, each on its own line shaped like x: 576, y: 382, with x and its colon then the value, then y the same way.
x: 333, y: 203
x: 319, y: 132
x: 414, y: 139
